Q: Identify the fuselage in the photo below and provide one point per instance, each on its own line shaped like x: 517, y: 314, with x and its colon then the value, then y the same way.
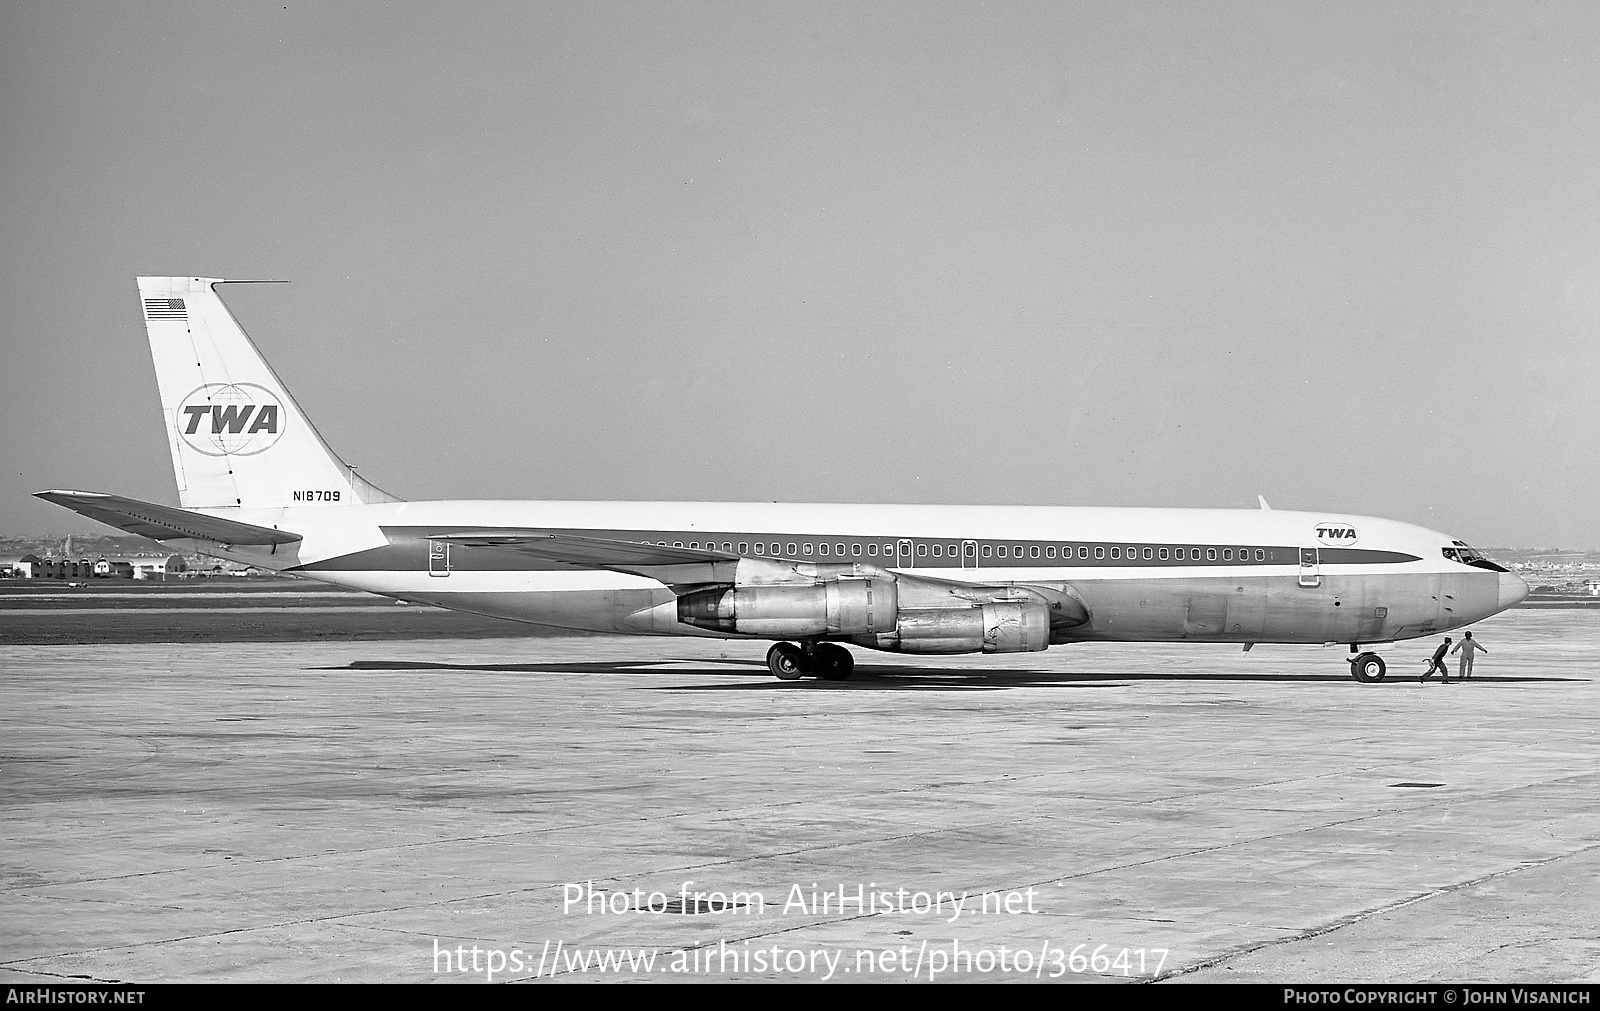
x: 1141, y: 574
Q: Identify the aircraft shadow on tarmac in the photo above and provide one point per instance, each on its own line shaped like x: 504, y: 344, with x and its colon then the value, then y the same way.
x: 878, y: 677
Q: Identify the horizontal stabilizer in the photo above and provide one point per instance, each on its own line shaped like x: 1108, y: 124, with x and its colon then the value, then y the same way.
x: 585, y: 552
x: 164, y: 523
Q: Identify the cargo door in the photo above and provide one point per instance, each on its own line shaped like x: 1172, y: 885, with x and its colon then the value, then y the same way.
x: 1370, y: 626
x: 1206, y: 615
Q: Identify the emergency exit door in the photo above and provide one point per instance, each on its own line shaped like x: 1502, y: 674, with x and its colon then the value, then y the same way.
x: 438, y: 558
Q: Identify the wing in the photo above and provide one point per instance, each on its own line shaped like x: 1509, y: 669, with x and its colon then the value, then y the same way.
x: 677, y: 567
x: 689, y: 569
x: 164, y: 523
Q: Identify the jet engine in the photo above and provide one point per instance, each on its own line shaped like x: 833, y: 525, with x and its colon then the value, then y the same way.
x: 1021, y: 626
x: 844, y: 605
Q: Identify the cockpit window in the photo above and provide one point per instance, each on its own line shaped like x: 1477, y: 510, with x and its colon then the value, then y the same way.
x: 1471, y: 556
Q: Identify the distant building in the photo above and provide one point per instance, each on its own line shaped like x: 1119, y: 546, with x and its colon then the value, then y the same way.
x: 170, y: 567
x: 140, y: 567
x: 1593, y: 586
x: 26, y: 567
x: 60, y: 568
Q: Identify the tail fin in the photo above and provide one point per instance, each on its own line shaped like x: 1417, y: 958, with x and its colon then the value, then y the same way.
x: 237, y: 436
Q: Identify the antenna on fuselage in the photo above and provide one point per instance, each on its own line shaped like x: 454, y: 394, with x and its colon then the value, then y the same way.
x: 1263, y: 500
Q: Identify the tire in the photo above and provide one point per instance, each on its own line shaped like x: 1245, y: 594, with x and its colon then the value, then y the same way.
x: 1368, y: 668
x: 786, y: 661
x: 832, y: 662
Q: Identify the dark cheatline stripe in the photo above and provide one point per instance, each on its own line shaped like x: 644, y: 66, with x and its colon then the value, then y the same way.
x: 1364, y: 556
x: 408, y: 550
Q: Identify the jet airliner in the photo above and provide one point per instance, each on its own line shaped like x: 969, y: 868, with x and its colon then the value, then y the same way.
x: 258, y: 485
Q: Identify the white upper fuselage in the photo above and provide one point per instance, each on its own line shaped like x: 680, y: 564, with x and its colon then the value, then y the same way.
x: 1276, y: 568
x: 334, y: 530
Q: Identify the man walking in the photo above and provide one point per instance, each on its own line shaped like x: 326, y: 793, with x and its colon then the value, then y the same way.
x: 1436, y: 662
x: 1466, y: 648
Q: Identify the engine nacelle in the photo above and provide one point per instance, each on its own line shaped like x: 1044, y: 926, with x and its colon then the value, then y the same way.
x: 1001, y: 627
x: 842, y: 606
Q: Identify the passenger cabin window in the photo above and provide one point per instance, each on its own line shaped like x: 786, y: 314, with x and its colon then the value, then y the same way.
x: 791, y: 548
x: 1163, y: 554
x: 1033, y: 551
x: 808, y: 547
x: 1261, y: 555
x: 938, y: 550
x: 1083, y: 551
x: 1227, y: 554
x: 855, y: 549
x: 1050, y: 551
x: 839, y: 549
x: 872, y: 549
x: 987, y: 550
x: 1148, y: 552
x: 1211, y: 554
x: 1116, y: 552
x: 922, y: 549
x: 822, y: 548
x: 1099, y: 552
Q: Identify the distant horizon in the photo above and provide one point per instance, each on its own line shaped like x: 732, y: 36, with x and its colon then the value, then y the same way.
x: 1023, y: 254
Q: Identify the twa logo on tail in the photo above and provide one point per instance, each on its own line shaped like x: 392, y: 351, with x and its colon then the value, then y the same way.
x: 230, y: 419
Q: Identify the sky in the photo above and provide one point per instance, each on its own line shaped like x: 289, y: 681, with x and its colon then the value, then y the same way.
x: 1345, y: 256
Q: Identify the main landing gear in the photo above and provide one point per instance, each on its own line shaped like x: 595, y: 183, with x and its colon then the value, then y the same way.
x: 827, y: 660
x: 1368, y: 668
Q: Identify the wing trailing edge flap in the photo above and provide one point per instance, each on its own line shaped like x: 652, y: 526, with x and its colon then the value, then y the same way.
x: 164, y: 523
x: 677, y: 567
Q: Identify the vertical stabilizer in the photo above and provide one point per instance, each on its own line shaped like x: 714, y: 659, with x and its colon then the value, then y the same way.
x: 237, y: 436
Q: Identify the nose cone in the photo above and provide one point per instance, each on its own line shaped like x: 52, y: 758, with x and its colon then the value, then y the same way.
x: 1512, y: 590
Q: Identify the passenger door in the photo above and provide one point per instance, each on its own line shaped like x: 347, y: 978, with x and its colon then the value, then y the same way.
x: 1310, y: 567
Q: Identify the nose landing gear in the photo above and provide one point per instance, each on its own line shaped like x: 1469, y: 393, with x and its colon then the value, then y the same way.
x: 827, y: 660
x: 1368, y: 668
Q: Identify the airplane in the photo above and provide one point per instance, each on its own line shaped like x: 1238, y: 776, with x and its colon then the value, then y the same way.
x: 258, y: 485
